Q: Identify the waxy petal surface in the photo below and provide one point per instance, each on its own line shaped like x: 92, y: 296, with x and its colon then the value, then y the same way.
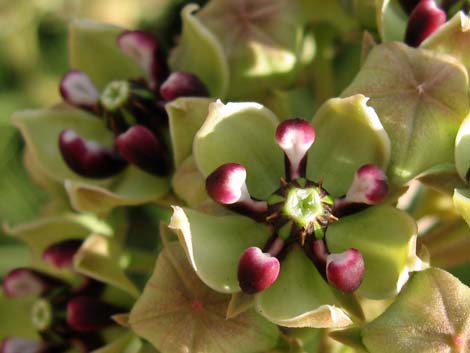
x: 421, y: 98
x: 214, y: 244
x: 241, y: 133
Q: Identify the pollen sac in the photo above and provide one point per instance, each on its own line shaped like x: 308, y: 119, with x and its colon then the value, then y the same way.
x: 20, y: 345
x: 370, y: 185
x: 226, y: 184
x: 144, y: 49
x: 257, y: 270
x: 426, y: 18
x: 22, y: 282
x: 77, y: 89
x: 345, y: 271
x: 87, y: 313
x: 88, y: 158
x: 295, y: 136
x: 140, y: 147
x: 60, y: 255
x: 182, y: 84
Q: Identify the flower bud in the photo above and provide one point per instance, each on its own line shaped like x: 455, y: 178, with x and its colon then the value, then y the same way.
x: 257, y: 270
x: 295, y: 136
x: 21, y: 282
x: 61, y: 254
x: 226, y: 184
x: 86, y: 313
x: 370, y: 185
x: 426, y: 18
x: 139, y: 146
x: 77, y: 89
x: 345, y: 271
x: 88, y: 158
x: 143, y: 48
x: 408, y: 5
x: 182, y: 84
x: 19, y: 345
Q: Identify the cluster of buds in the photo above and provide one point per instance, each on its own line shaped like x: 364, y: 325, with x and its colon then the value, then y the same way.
x: 132, y: 109
x: 65, y: 316
x: 299, y: 212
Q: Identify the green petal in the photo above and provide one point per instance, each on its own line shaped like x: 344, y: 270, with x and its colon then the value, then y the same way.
x: 199, y: 52
x: 128, y: 343
x: 461, y: 200
x: 214, y: 244
x: 186, y: 115
x: 189, y: 184
x: 391, y: 20
x: 452, y: 38
x: 386, y: 238
x: 241, y: 133
x: 462, y: 148
x: 443, y: 178
x: 41, y: 128
x: 431, y: 314
x: 349, y: 135
x: 421, y: 99
x: 42, y: 233
x: 133, y: 187
x: 177, y: 313
x: 300, y: 297
x: 262, y: 42
x: 93, y: 49
x: 99, y: 258
x: 18, y: 313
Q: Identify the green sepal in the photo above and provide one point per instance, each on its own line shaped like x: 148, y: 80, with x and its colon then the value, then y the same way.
x: 200, y: 52
x: 241, y: 133
x: 350, y: 337
x: 128, y: 343
x: 93, y: 49
x: 363, y: 140
x: 214, y: 244
x: 461, y: 201
x: 431, y: 314
x: 300, y: 297
x: 386, y: 238
x: 421, y: 98
x: 177, y: 313
x: 189, y: 184
x: 443, y: 178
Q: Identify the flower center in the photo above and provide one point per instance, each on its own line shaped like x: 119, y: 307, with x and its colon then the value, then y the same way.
x: 41, y: 314
x: 299, y: 209
x: 115, y: 95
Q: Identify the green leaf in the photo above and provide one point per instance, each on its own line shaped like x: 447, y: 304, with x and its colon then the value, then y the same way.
x: 93, y: 49
x: 462, y: 149
x: 421, y: 99
x: 185, y: 115
x: 241, y: 133
x: 177, y: 313
x: 214, y: 244
x: 99, y: 258
x: 300, y: 297
x: 200, y: 52
x: 362, y: 140
x: 386, y: 238
x: 452, y: 38
x: 431, y: 314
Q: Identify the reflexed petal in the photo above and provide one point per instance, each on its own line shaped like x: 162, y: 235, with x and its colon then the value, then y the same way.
x: 241, y: 133
x: 300, y: 297
x: 214, y: 244
x: 420, y: 98
x: 363, y: 140
x: 386, y: 238
x: 200, y: 52
x: 93, y: 50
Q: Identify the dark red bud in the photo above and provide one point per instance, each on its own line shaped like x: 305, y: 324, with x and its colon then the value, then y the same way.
x: 86, y: 313
x: 88, y: 158
x: 370, y: 185
x: 425, y: 19
x: 61, y: 254
x: 139, y: 146
x: 183, y: 84
x: 226, y: 184
x: 23, y: 281
x: 77, y: 89
x: 257, y: 270
x: 19, y: 345
x: 345, y: 271
x: 408, y: 5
